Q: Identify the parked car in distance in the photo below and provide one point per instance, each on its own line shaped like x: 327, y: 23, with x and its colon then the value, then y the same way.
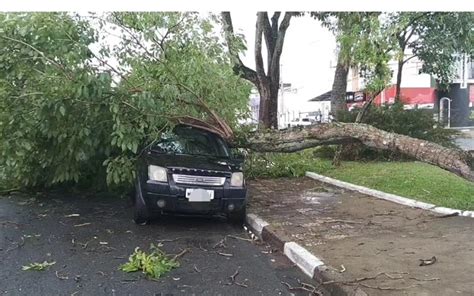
x: 189, y: 171
x: 300, y: 122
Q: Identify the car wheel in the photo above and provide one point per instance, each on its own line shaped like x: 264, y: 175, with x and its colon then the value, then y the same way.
x: 237, y: 217
x: 141, y: 214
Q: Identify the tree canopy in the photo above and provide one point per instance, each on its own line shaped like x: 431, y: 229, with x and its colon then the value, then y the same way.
x: 81, y: 96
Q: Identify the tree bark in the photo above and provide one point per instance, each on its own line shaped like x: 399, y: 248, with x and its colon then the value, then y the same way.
x: 339, y: 87
x: 453, y: 160
x: 399, y: 79
x: 267, y: 83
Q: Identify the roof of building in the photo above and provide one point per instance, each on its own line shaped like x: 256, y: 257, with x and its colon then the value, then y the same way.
x: 323, y: 97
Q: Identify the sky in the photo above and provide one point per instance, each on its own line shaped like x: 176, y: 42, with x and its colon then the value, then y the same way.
x: 308, y: 52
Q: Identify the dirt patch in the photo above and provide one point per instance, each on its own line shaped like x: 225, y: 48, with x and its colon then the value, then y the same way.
x: 368, y: 237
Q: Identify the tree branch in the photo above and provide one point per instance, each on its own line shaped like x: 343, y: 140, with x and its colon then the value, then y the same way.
x: 285, y: 23
x: 269, y: 38
x: 58, y: 65
x: 239, y: 67
x: 406, y: 60
x: 261, y: 16
x: 453, y: 160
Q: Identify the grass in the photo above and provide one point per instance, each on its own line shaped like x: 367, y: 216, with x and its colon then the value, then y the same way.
x: 410, y: 179
x: 415, y: 180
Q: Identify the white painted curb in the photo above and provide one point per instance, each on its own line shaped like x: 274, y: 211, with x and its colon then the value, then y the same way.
x: 390, y: 197
x: 306, y: 261
x: 256, y: 223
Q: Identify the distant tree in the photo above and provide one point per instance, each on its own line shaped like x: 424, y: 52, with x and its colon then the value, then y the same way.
x: 436, y: 38
x: 360, y: 44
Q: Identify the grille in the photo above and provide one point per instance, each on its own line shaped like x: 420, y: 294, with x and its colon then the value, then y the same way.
x: 198, y: 180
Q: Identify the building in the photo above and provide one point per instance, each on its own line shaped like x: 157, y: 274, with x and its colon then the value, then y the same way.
x: 419, y: 90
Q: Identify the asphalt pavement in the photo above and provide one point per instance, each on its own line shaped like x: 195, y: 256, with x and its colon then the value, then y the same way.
x: 90, y: 237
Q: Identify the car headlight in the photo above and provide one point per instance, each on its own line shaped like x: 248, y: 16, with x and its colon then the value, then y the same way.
x: 157, y: 173
x: 237, y: 179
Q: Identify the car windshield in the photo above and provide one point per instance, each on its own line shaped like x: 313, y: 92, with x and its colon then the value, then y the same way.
x: 192, y: 141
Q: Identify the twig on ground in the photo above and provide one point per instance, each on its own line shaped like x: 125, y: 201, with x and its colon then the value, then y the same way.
x: 220, y: 244
x: 303, y: 288
x: 84, y: 245
x: 168, y: 240
x: 61, y: 277
x: 365, y: 278
x: 201, y: 248
x: 232, y: 277
x: 18, y: 245
x: 424, y: 280
x: 234, y: 282
x: 180, y: 254
x: 342, y: 269
x: 386, y: 288
x: 342, y: 221
x: 83, y: 224
x: 9, y: 222
x: 196, y: 269
x: 225, y: 254
x: 240, y: 238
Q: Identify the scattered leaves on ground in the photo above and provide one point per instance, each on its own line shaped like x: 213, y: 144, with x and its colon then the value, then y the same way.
x: 154, y: 264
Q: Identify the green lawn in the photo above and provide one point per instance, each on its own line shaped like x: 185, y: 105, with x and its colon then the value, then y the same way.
x: 409, y: 179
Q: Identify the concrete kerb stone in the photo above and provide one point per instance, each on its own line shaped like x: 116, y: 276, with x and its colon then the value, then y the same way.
x: 390, y: 197
x: 256, y: 223
x: 301, y: 257
x: 306, y: 261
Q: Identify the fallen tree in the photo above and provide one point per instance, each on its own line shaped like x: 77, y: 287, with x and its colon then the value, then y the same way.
x: 62, y: 120
x: 292, y: 140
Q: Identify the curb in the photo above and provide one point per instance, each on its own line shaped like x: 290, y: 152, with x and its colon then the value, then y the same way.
x: 311, y: 265
x: 390, y: 197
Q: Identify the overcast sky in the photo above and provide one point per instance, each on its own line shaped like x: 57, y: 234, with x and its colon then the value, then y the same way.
x: 306, y: 59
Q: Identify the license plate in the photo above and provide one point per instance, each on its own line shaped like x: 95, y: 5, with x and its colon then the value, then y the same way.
x: 199, y: 195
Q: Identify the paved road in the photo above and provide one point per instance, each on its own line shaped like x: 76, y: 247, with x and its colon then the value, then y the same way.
x: 34, y: 229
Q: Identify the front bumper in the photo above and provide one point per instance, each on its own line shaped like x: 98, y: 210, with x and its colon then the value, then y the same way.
x: 175, y: 201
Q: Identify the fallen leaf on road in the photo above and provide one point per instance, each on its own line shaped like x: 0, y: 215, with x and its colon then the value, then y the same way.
x: 38, y: 266
x: 426, y: 262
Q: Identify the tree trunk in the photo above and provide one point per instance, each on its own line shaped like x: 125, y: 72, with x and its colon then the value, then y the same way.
x: 267, y: 83
x: 453, y: 160
x: 339, y: 87
x: 399, y: 79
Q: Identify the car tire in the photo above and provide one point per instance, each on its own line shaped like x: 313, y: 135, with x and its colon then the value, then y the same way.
x: 237, y: 217
x: 141, y: 214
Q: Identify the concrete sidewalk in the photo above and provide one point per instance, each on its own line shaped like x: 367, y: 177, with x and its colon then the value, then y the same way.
x: 363, y: 237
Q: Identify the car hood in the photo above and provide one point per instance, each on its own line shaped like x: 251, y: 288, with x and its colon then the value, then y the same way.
x: 194, y: 162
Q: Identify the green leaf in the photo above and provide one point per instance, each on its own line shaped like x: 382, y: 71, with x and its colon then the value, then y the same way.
x: 38, y: 266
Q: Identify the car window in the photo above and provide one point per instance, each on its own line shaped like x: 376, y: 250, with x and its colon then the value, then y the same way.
x: 192, y: 142
x: 305, y: 119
